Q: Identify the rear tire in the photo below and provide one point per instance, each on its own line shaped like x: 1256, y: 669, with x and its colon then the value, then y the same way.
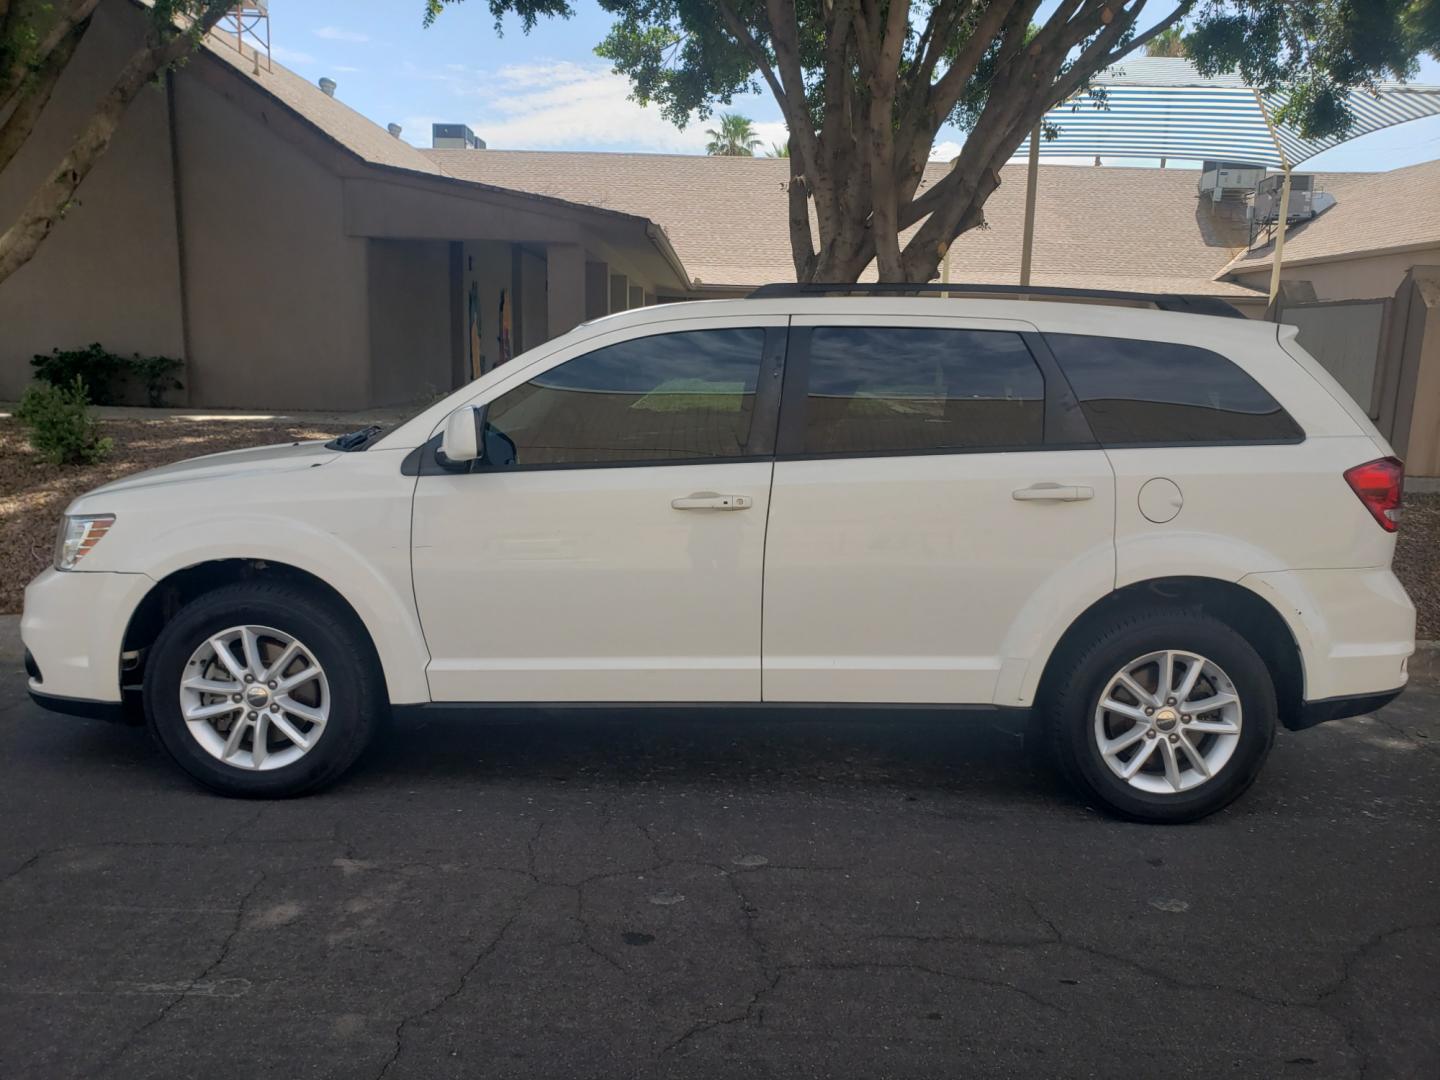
x: 219, y: 683
x: 1111, y: 712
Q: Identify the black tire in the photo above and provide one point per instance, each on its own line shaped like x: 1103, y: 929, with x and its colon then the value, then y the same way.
x: 1073, y: 694
x: 358, y: 703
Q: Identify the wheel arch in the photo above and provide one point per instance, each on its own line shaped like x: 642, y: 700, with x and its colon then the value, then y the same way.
x: 181, y: 586
x: 1244, y: 611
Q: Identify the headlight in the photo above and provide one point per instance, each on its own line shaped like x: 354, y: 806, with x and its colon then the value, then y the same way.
x: 77, y: 536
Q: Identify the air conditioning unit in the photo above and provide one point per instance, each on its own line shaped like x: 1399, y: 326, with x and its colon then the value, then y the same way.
x: 1265, y: 210
x: 1218, y: 177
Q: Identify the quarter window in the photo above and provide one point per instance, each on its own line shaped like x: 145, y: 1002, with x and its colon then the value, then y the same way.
x: 1150, y: 393
x: 894, y: 389
x: 670, y: 397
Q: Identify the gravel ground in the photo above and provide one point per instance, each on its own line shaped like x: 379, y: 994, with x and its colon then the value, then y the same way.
x: 34, y: 493
x: 1417, y: 561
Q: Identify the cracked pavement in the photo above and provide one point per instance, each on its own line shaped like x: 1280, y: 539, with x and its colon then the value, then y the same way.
x: 657, y: 895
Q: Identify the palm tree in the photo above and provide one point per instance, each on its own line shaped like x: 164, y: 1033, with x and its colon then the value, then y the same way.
x: 779, y: 150
x: 734, y: 138
x: 1170, y: 42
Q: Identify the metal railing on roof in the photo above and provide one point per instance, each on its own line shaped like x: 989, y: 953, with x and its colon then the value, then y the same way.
x: 1176, y: 302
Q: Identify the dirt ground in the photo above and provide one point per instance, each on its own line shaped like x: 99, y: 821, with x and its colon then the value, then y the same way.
x: 33, y: 494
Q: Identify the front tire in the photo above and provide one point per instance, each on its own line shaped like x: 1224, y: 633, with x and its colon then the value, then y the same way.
x: 263, y: 690
x: 1164, y: 716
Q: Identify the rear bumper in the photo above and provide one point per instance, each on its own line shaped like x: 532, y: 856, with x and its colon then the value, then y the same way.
x: 1355, y: 630
x: 1338, y: 708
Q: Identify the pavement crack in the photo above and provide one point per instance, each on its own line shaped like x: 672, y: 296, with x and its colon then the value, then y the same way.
x: 460, y: 983
x: 221, y: 955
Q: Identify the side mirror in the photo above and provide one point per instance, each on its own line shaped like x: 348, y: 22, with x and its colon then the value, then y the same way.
x: 460, y: 440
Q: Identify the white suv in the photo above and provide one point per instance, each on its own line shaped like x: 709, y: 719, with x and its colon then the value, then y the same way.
x: 1160, y: 534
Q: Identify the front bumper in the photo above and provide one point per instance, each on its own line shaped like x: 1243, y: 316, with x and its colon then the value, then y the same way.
x: 74, y: 629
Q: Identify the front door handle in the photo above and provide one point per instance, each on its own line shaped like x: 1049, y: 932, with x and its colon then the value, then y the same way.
x: 1053, y: 493
x: 708, y: 500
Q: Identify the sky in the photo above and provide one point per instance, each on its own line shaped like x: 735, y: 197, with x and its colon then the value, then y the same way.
x: 549, y: 91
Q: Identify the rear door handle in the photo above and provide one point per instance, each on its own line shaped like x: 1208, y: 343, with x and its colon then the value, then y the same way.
x: 1053, y: 493
x: 708, y: 500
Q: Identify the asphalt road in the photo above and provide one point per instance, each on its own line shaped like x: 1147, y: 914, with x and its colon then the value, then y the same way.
x: 660, y: 895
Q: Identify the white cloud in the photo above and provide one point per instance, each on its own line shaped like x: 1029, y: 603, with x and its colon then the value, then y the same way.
x: 338, y: 33
x: 944, y: 151
x: 345, y: 70
x: 291, y: 57
x: 550, y: 105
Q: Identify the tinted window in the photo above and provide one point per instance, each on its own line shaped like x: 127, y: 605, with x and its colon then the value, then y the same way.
x: 1149, y: 392
x: 875, y: 389
x: 663, y: 398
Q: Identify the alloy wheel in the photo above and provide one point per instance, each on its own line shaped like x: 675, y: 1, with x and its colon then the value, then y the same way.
x: 254, y: 697
x: 1168, y: 722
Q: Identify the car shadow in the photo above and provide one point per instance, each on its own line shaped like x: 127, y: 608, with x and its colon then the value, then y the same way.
x: 954, y: 750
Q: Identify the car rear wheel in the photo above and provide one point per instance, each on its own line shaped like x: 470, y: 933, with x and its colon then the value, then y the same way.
x: 262, y: 690
x: 1163, y: 716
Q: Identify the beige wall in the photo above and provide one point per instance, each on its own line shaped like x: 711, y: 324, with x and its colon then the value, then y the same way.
x: 276, y: 290
x: 1362, y: 278
x: 409, y: 320
x: 109, y: 272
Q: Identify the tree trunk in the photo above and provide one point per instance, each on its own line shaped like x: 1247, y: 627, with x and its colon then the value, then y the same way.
x: 47, y: 206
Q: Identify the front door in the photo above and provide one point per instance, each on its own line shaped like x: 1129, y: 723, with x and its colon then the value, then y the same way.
x: 922, y: 505
x: 619, y: 555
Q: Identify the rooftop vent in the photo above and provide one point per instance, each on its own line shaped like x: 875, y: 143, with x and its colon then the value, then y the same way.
x: 395, y: 130
x: 454, y: 137
x: 328, y: 85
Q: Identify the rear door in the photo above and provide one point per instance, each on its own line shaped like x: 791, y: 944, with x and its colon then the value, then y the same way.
x: 933, y: 480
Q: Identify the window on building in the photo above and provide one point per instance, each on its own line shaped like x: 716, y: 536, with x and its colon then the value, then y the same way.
x: 878, y: 389
x: 1154, y: 392
x: 670, y: 397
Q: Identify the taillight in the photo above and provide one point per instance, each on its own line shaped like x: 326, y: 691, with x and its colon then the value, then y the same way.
x: 1379, y: 484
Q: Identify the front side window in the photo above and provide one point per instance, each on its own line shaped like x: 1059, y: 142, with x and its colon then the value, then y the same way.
x: 670, y: 397
x: 1147, y: 393
x: 879, y: 389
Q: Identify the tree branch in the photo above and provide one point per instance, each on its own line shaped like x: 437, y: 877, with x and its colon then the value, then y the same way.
x: 48, y: 204
x: 22, y: 67
x: 26, y: 113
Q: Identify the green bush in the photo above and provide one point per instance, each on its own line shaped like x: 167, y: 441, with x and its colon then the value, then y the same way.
x: 98, y: 369
x: 62, y: 430
x: 108, y: 375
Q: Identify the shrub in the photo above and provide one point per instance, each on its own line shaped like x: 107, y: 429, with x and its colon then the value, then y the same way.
x: 107, y: 376
x: 157, y: 375
x: 98, y: 369
x: 62, y: 430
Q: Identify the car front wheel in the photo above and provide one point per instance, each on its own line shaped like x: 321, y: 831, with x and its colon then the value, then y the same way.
x: 262, y: 690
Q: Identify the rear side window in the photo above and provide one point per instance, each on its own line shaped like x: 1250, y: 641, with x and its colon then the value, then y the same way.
x: 877, y: 389
x: 671, y: 397
x: 1148, y: 393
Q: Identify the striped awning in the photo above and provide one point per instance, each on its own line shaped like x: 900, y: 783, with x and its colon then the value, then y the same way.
x: 1162, y: 107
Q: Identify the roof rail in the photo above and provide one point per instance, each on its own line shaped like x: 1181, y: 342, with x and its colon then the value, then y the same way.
x: 1190, y: 305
